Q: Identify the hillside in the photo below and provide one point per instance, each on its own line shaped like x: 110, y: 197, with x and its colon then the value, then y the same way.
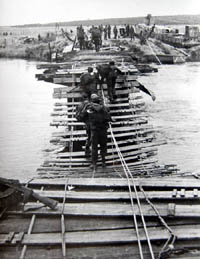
x: 159, y: 20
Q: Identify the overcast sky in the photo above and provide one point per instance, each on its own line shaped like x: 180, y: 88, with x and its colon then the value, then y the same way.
x: 16, y: 12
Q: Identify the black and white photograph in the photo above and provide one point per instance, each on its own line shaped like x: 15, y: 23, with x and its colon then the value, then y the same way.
x: 99, y: 129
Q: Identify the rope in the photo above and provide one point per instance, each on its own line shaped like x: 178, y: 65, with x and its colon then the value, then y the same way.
x: 172, y: 237
x: 128, y: 173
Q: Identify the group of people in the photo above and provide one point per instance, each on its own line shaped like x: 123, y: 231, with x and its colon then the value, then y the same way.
x: 94, y: 113
x: 98, y: 34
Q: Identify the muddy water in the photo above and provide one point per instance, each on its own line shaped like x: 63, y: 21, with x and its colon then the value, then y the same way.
x: 26, y: 104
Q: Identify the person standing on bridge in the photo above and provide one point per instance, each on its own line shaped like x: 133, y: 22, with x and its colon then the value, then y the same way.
x: 88, y: 82
x: 99, y: 117
x: 110, y: 73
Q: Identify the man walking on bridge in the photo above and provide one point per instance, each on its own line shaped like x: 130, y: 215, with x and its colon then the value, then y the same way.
x: 99, y: 117
x: 88, y: 83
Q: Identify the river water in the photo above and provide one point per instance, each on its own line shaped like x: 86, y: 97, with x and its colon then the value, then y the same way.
x: 25, y: 107
x: 26, y: 104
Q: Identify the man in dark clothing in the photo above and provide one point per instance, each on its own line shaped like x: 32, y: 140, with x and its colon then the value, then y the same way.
x: 88, y: 82
x: 81, y: 36
x: 99, y: 117
x: 109, y: 31
x: 131, y: 32
x: 127, y: 30
x: 115, y: 31
x: 105, y: 32
x: 96, y: 37
x: 110, y: 73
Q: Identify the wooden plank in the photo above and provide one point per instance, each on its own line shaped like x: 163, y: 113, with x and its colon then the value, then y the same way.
x: 119, y: 120
x: 66, y: 111
x: 121, y: 100
x: 87, y: 173
x: 142, y: 147
x: 136, y: 169
x: 113, y: 159
x: 118, y: 129
x: 141, y: 140
x: 117, y: 135
x: 115, y: 195
x: 110, y: 209
x: 52, y: 224
x: 110, y: 236
x: 164, y: 182
x: 78, y: 95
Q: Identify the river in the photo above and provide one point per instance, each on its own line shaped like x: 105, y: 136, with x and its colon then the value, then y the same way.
x: 26, y: 104
x: 25, y: 107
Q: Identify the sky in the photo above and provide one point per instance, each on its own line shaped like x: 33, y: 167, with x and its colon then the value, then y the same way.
x: 18, y: 12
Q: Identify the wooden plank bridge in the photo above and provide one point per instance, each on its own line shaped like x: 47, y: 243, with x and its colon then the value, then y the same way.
x: 134, y: 208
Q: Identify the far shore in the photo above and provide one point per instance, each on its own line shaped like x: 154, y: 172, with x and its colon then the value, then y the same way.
x: 41, y: 43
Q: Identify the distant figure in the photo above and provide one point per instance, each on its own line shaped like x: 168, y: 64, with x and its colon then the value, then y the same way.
x: 115, y: 31
x: 110, y: 73
x: 101, y: 31
x: 39, y: 37
x: 96, y: 37
x: 105, y: 32
x: 99, y: 117
x: 88, y: 83
x: 86, y: 42
x: 109, y: 31
x: 80, y: 36
x: 127, y: 30
x: 131, y: 32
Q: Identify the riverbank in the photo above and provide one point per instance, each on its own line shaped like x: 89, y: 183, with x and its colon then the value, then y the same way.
x: 41, y: 46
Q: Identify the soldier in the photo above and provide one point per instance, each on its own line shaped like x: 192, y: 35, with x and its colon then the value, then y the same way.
x: 115, y: 31
x: 96, y: 38
x: 131, y: 32
x: 127, y: 27
x: 109, y: 31
x: 88, y: 82
x: 110, y: 73
x: 105, y: 32
x: 80, y: 36
x: 99, y: 117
